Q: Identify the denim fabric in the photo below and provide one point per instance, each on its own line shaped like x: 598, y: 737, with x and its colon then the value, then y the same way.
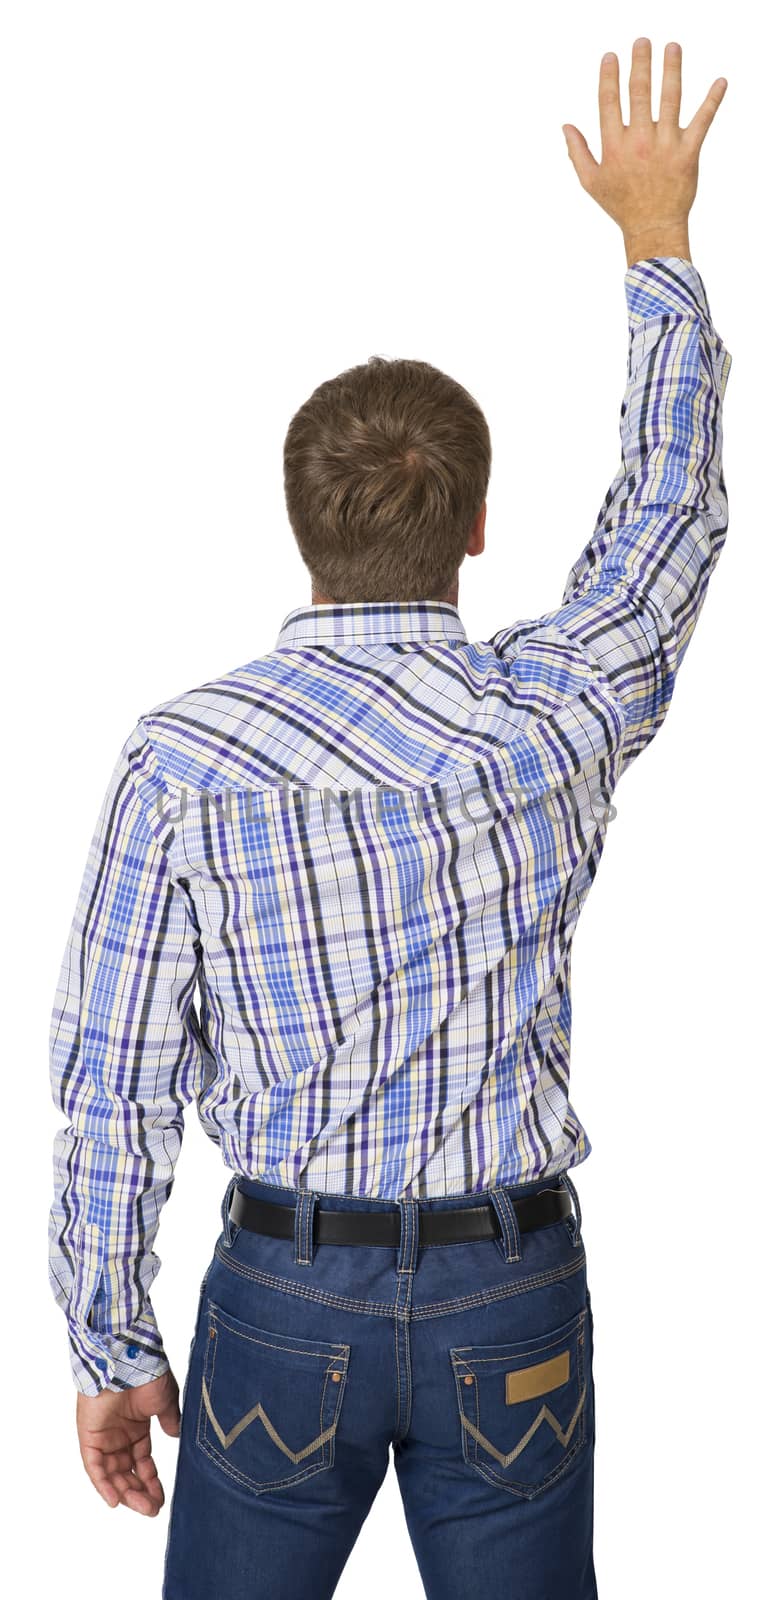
x: 308, y: 1361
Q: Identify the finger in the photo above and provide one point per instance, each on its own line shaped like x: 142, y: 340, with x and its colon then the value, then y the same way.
x: 145, y: 1469
x: 700, y: 123
x: 142, y: 1449
x: 609, y: 108
x: 670, y: 94
x: 101, y: 1480
x: 139, y: 1502
x: 146, y: 1497
x: 120, y: 1487
x: 582, y: 160
x: 640, y: 84
x: 135, y: 1496
x: 170, y: 1419
x: 147, y: 1474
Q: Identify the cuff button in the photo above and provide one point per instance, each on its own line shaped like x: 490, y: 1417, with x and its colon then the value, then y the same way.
x: 132, y: 1351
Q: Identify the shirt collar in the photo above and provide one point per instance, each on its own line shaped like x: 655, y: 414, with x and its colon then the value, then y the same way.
x: 371, y: 622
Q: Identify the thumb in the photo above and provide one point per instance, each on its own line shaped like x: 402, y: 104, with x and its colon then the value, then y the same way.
x: 170, y: 1419
x: 582, y: 160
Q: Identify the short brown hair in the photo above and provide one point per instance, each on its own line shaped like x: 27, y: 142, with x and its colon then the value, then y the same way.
x: 386, y: 468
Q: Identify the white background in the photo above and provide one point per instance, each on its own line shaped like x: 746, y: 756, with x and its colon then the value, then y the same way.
x: 206, y: 210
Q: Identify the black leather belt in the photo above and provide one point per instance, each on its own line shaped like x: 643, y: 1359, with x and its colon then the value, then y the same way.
x: 455, y: 1226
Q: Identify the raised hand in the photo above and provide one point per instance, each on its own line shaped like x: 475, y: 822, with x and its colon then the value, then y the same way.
x: 647, y: 177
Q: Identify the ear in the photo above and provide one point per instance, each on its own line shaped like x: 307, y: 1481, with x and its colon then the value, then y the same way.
x: 476, y: 537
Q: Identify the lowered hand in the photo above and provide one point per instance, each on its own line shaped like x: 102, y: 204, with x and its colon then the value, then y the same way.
x: 115, y: 1441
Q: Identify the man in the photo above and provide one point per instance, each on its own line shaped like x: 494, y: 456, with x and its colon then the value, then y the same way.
x: 366, y: 853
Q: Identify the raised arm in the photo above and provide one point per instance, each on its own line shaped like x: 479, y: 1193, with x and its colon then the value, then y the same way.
x: 634, y: 594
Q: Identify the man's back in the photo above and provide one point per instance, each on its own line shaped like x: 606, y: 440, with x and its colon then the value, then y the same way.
x: 368, y: 849
x: 387, y: 833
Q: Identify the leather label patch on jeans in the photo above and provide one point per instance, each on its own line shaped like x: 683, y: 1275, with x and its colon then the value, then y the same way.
x: 531, y: 1381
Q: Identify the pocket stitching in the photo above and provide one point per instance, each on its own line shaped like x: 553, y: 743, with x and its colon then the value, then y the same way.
x: 227, y: 1439
x: 213, y: 1452
x: 320, y: 1349
x: 470, y: 1443
x: 253, y: 1484
x: 505, y: 1460
x: 534, y: 1347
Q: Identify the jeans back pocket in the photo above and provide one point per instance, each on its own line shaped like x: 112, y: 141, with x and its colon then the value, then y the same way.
x: 523, y: 1406
x: 269, y: 1403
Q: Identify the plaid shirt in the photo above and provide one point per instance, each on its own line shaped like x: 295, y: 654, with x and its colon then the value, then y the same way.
x: 331, y: 894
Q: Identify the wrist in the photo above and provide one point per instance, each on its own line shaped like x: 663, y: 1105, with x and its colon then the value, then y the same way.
x: 656, y: 239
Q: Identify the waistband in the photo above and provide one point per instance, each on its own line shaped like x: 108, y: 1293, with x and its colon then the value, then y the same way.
x: 332, y: 1201
x: 414, y: 1217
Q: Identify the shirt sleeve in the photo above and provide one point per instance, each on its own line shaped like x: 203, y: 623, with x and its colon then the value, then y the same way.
x: 634, y: 595
x: 126, y: 1055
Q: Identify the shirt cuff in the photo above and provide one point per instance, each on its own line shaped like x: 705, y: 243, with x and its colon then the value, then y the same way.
x: 664, y: 285
x: 671, y: 286
x: 113, y: 1360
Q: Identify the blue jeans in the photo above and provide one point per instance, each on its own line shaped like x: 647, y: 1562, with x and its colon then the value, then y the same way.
x: 309, y: 1360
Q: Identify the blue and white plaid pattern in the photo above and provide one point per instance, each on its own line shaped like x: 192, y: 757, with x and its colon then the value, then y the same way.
x: 330, y: 895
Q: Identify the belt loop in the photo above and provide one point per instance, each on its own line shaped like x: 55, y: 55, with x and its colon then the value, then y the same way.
x: 409, y: 1240
x: 509, y: 1227
x: 573, y: 1226
x: 230, y: 1228
x: 303, y: 1249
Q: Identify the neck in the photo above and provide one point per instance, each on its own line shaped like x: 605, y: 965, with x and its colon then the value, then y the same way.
x: 449, y: 599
